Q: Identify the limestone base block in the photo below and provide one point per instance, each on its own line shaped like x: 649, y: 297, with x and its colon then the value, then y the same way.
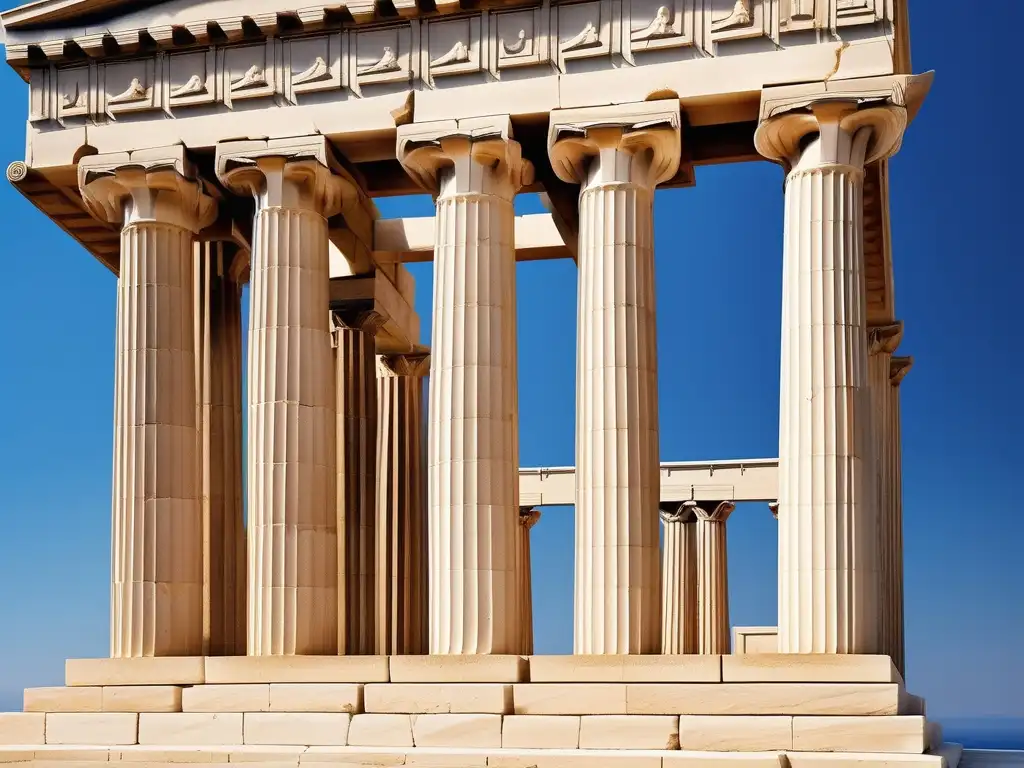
x: 316, y: 697
x: 809, y: 668
x: 150, y: 670
x: 629, y: 732
x: 626, y: 669
x: 254, y: 697
x: 296, y: 728
x: 903, y: 734
x: 735, y: 733
x: 142, y: 698
x: 59, y: 699
x: 460, y: 669
x: 430, y: 698
x: 87, y: 728
x: 22, y: 728
x: 571, y: 699
x: 540, y: 732
x: 482, y: 731
x: 192, y: 728
x: 297, y: 669
x: 374, y: 730
x: 762, y: 699
x: 557, y: 758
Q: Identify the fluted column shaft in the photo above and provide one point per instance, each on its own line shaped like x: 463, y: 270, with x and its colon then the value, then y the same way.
x: 219, y: 348
x: 474, y: 172
x: 679, y: 613
x: 713, y: 577
x: 292, y: 526
x: 157, y: 533
x: 528, y: 518
x: 356, y: 399
x: 893, y: 609
x: 828, y: 509
x: 618, y: 155
x: 401, y: 506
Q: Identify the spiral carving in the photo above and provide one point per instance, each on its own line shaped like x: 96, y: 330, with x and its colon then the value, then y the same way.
x: 17, y: 171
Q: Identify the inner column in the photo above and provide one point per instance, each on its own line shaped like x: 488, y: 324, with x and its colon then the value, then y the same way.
x: 473, y: 455
x: 292, y: 532
x: 619, y: 155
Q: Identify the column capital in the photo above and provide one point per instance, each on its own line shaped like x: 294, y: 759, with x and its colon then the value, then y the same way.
x: 712, y: 511
x: 677, y: 513
x: 773, y: 507
x: 884, y: 338
x: 648, y: 132
x: 300, y: 173
x: 366, y: 320
x: 898, y: 368
x: 528, y: 517
x: 414, y: 364
x: 155, y: 185
x: 468, y: 147
x: 837, y: 111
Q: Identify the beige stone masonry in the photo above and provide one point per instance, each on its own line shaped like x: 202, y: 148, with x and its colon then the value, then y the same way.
x: 540, y: 732
x: 101, y: 729
x: 629, y: 732
x: 226, y: 698
x: 719, y: 760
x: 808, y: 668
x: 184, y: 670
x: 375, y: 730
x: 618, y: 154
x: 571, y: 699
x: 192, y: 728
x: 735, y: 733
x: 481, y: 731
x: 57, y: 699
x: 298, y: 728
x: 577, y: 759
x: 142, y: 698
x: 473, y: 169
x: 438, y: 698
x: 906, y: 734
x: 626, y: 669
x: 22, y: 727
x: 862, y: 759
x: 316, y: 697
x: 460, y: 669
x: 760, y: 699
x: 297, y: 669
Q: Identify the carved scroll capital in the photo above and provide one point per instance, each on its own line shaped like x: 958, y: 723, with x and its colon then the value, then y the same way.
x: 677, y: 513
x: 470, y: 156
x: 884, y: 338
x: 416, y: 365
x: 288, y: 173
x: 154, y: 185
x: 528, y: 517
x: 366, y: 321
x: 647, y: 132
x: 712, y: 511
x: 899, y: 367
x: 856, y: 121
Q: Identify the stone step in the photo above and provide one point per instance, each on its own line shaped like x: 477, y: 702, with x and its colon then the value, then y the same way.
x: 83, y: 756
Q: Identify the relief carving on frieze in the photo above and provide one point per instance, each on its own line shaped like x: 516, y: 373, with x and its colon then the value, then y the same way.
x: 452, y: 47
x: 584, y: 30
x: 520, y: 38
x: 658, y: 24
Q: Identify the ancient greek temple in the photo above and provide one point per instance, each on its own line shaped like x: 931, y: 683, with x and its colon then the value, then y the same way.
x: 365, y: 598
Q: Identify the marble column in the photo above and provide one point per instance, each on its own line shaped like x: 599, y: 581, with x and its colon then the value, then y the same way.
x: 679, y: 614
x: 828, y: 521
x: 528, y: 517
x: 356, y: 483
x: 892, y: 607
x: 401, y: 505
x: 292, y: 524
x: 713, y: 576
x: 474, y: 169
x: 882, y: 342
x: 619, y: 155
x: 157, y: 533
x: 218, y: 330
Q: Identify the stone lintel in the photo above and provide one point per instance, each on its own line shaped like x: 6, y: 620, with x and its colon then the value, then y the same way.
x: 576, y: 134
x: 375, y: 293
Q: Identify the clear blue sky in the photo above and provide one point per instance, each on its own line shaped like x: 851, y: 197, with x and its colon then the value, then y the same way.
x: 958, y: 262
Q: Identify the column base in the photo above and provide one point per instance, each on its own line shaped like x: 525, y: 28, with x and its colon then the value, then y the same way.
x: 513, y: 711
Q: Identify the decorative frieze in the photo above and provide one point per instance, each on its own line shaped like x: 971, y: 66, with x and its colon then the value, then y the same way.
x: 287, y: 67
